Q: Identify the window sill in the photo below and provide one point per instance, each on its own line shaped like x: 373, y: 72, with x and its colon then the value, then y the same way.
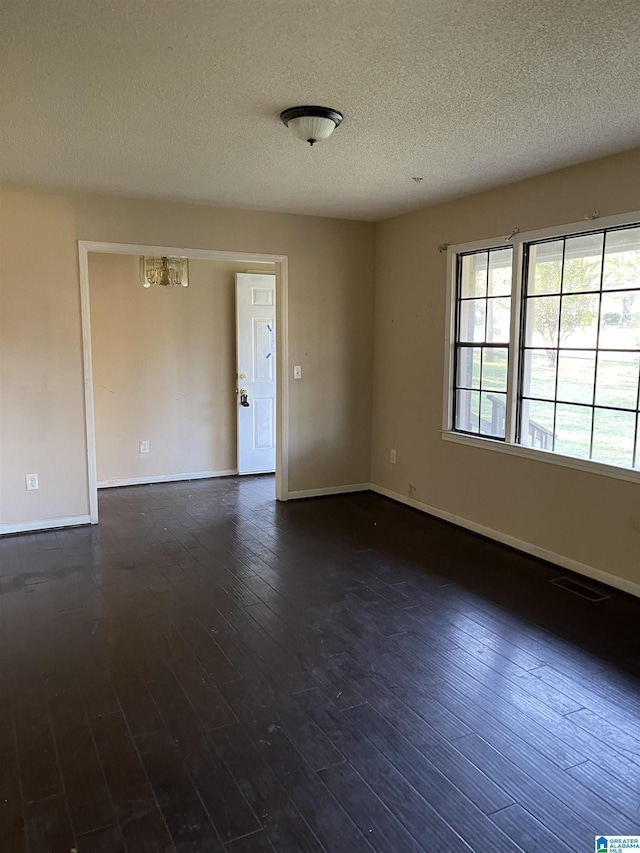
x: 589, y: 465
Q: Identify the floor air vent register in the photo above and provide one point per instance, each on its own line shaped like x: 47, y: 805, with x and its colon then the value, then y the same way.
x: 580, y: 589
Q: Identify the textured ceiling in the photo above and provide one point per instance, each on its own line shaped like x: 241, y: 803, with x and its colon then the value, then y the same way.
x: 179, y: 99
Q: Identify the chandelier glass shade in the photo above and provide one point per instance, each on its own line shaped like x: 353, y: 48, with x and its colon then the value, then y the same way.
x: 165, y: 272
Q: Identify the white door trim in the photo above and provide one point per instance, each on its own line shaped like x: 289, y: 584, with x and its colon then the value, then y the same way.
x: 282, y: 347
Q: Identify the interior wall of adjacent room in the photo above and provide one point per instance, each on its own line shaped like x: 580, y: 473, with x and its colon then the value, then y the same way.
x: 586, y: 517
x: 164, y: 367
x: 42, y: 419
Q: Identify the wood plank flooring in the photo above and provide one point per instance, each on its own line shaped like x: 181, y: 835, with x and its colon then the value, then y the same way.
x: 208, y: 670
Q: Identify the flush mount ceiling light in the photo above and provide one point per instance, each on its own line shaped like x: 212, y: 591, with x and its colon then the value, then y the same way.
x: 165, y: 272
x: 311, y: 124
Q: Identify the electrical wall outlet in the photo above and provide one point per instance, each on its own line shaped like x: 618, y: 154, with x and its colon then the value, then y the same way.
x: 32, y: 482
x: 392, y: 457
x: 144, y: 446
x: 297, y: 371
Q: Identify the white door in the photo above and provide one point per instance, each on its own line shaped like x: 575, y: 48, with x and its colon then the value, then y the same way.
x: 256, y: 365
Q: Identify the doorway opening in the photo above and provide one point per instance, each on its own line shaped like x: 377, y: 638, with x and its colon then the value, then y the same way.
x: 255, y: 399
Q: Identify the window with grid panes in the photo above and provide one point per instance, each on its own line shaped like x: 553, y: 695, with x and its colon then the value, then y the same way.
x: 577, y: 388
x: 580, y: 366
x: 483, y: 319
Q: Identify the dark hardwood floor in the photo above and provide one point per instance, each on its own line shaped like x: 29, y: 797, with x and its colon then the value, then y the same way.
x: 208, y: 670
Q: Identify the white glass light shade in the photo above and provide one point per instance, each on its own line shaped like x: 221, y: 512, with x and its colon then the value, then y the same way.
x: 165, y: 272
x: 310, y: 128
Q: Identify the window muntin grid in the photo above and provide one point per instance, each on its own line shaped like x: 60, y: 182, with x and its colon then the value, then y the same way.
x: 482, y: 331
x: 579, y: 383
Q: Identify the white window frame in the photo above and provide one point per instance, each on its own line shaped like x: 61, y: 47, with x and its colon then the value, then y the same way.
x: 509, y: 445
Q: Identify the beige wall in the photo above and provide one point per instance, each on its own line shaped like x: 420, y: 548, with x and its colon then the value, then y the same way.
x: 41, y: 390
x: 164, y: 367
x: 586, y: 517
x: 582, y: 516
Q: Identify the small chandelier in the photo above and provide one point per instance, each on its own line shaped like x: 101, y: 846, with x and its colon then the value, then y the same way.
x: 165, y: 272
x: 311, y: 124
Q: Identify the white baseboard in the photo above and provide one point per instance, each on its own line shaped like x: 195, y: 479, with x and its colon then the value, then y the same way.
x: 329, y: 490
x: 165, y: 478
x: 45, y: 524
x: 535, y: 550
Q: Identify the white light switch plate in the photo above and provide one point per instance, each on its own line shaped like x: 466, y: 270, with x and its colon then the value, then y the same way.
x: 297, y: 371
